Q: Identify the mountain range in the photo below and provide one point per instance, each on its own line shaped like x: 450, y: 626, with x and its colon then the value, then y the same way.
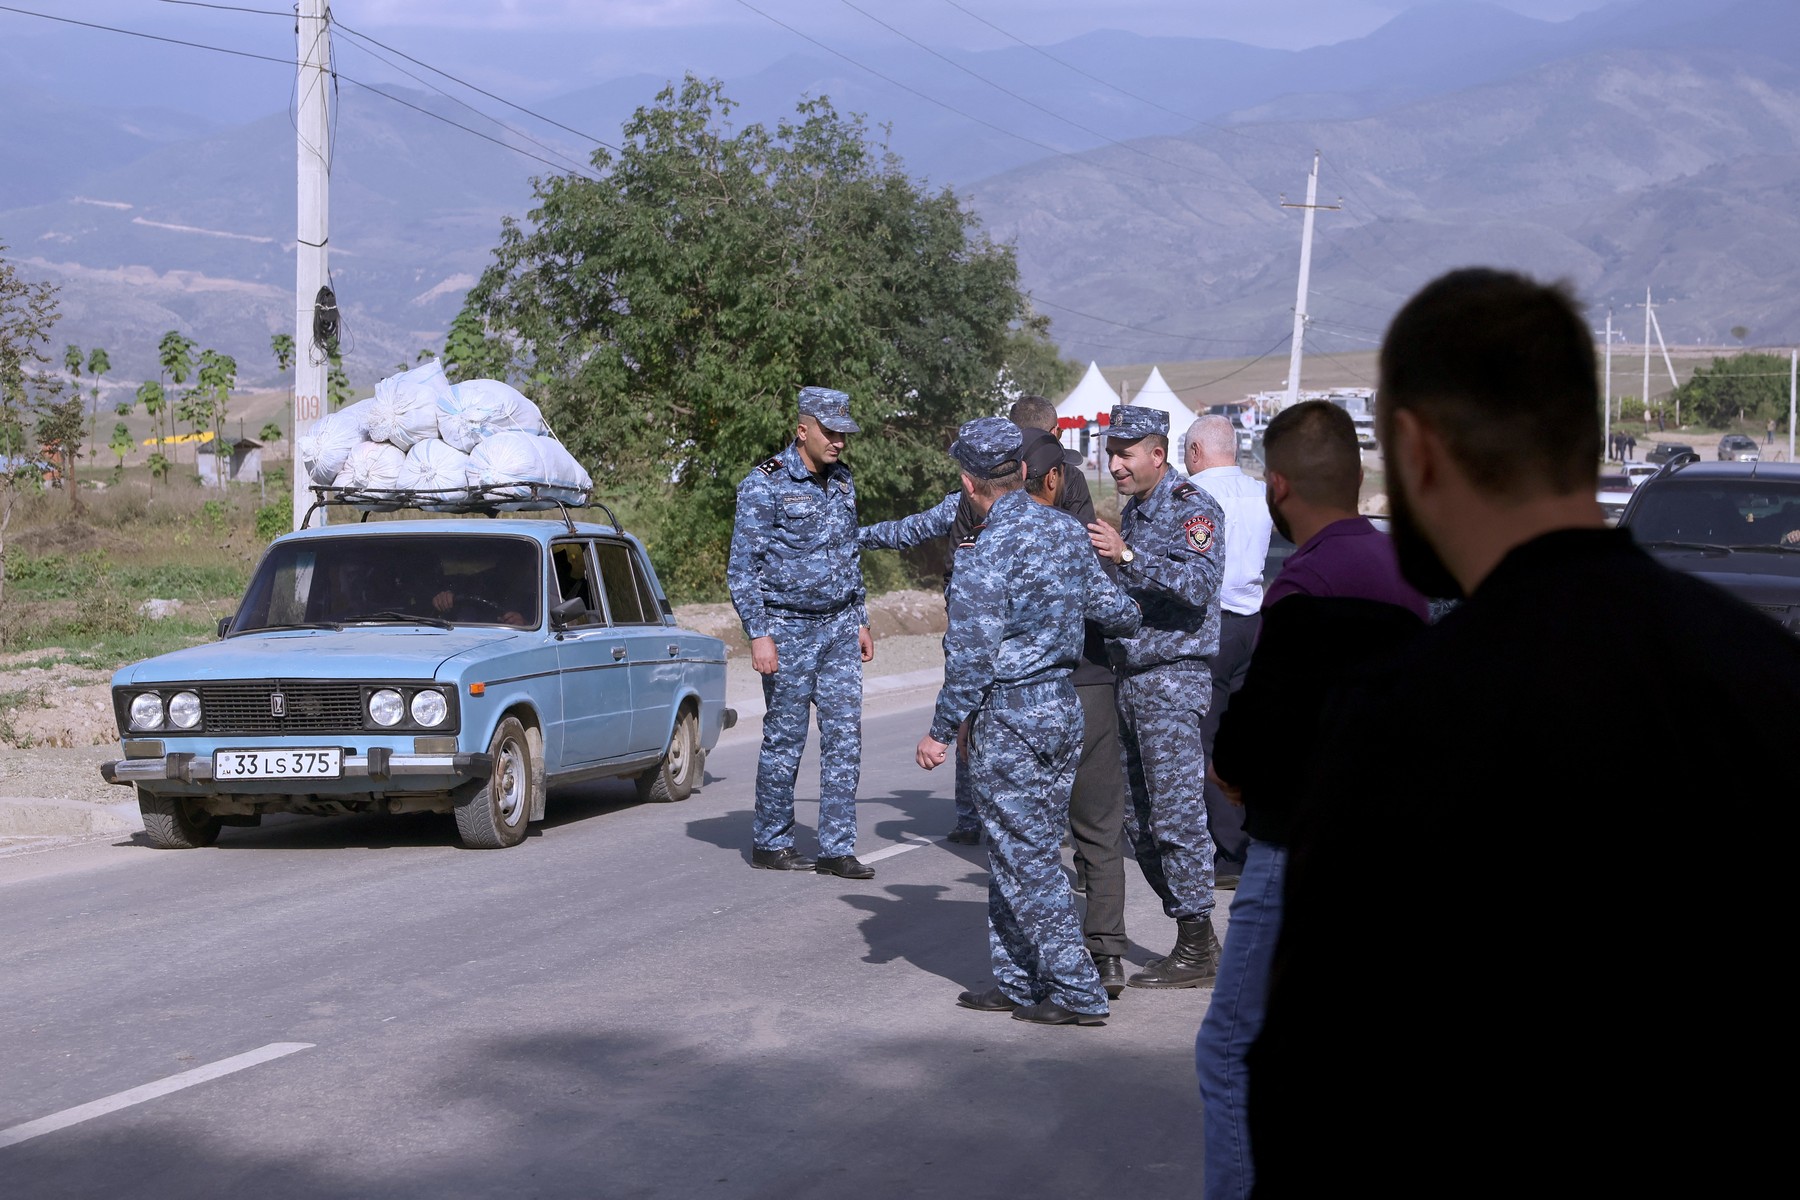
x: 1653, y: 143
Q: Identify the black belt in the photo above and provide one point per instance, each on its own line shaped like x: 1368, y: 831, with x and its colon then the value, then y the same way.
x: 1240, y: 616
x: 1024, y: 692
x: 806, y: 614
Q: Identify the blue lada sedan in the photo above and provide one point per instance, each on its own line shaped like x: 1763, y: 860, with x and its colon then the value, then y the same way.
x: 460, y: 666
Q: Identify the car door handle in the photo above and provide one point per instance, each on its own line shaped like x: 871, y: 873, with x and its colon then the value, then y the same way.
x: 674, y: 649
x: 618, y: 653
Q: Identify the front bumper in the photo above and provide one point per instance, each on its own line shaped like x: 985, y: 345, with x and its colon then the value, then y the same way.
x: 378, y: 766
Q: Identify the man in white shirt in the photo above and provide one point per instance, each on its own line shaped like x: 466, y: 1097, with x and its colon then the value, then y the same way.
x: 1210, y: 455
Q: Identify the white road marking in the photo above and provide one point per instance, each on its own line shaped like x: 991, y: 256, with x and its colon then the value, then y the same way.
x: 912, y: 841
x: 149, y: 1091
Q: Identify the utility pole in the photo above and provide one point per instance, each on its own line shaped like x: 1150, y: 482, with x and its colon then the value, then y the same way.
x: 1606, y: 396
x: 1793, y: 396
x: 1646, y: 395
x: 311, y: 263
x: 1306, y: 235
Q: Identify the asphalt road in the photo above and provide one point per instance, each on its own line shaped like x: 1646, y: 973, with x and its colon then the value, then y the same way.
x: 619, y: 1007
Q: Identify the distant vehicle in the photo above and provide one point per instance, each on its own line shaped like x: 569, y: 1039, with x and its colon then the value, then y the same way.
x: 1635, y: 473
x: 1665, y: 451
x: 1736, y: 525
x: 450, y: 666
x: 1736, y: 447
x: 1614, y: 494
x: 1360, y: 404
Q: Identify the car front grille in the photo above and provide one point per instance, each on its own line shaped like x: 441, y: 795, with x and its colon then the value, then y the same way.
x: 308, y: 706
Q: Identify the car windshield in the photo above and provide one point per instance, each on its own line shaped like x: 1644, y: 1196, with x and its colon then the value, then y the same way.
x: 428, y: 579
x: 1746, y: 513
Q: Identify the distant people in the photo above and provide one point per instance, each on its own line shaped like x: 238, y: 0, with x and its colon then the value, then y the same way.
x: 1516, y: 1009
x: 795, y: 574
x: 1023, y: 587
x: 1170, y: 561
x: 1630, y: 447
x: 1345, y: 606
x: 1210, y: 455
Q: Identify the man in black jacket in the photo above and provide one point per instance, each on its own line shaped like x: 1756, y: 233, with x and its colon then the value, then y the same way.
x: 1489, y: 1029
x: 1342, y: 604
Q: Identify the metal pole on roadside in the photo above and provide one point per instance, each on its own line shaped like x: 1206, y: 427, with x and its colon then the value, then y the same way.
x: 1793, y: 396
x: 1606, y: 396
x: 311, y: 263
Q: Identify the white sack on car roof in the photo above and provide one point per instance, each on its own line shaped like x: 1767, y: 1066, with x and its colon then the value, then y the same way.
x: 405, y: 409
x: 324, y: 450
x: 372, y: 465
x: 516, y: 458
x: 479, y: 408
x: 434, y: 466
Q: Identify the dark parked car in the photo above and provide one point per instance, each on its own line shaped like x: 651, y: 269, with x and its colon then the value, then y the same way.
x: 1667, y: 450
x: 1736, y: 525
x: 1736, y: 447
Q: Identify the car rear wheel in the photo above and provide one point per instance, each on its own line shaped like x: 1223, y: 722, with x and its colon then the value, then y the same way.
x: 678, y: 774
x: 496, y: 814
x: 177, y: 822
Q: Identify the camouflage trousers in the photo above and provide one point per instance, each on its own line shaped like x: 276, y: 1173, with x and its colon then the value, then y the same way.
x: 1160, y: 711
x: 1022, y: 754
x: 819, y: 667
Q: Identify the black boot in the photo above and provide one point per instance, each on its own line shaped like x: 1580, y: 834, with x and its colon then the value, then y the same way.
x: 1193, y: 961
x: 1112, y: 974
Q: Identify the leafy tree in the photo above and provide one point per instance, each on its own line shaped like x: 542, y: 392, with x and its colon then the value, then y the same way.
x: 120, y: 444
x: 1032, y: 362
x: 1739, y: 332
x: 1756, y: 384
x: 667, y: 315
x: 216, y: 377
x: 270, y: 434
x: 337, y: 384
x: 99, y: 362
x: 28, y: 313
x: 176, y: 354
x: 283, y: 346
x: 468, y: 351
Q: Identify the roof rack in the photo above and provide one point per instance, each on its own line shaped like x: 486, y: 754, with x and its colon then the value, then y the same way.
x: 490, y: 500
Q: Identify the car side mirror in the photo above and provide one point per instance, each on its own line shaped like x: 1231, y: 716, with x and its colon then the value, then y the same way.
x: 565, y: 612
x: 225, y: 624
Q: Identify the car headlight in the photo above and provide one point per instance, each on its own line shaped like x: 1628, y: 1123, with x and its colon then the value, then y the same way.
x: 146, y: 711
x: 429, y: 707
x: 184, y: 710
x: 386, y: 707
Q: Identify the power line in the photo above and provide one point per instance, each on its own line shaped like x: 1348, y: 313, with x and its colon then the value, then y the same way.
x: 288, y: 62
x: 465, y: 83
x: 1089, y: 75
x: 932, y: 99
x: 355, y: 42
x: 1016, y: 96
x: 1185, y: 337
x: 1194, y: 387
x: 265, y: 12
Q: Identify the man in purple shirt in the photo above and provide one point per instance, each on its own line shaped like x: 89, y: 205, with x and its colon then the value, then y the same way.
x: 1338, y: 603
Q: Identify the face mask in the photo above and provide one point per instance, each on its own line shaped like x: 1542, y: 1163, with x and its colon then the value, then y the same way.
x: 1419, y: 562
x: 1281, y: 525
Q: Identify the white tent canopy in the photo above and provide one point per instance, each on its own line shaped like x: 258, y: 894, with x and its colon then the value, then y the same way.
x: 1156, y: 393
x: 1092, y: 398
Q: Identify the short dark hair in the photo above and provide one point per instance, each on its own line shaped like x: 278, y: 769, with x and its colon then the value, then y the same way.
x: 1037, y: 485
x: 993, y: 489
x: 1313, y: 445
x: 1033, y: 412
x: 1502, y: 366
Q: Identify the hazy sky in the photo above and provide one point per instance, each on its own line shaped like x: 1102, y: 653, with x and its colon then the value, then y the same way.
x: 544, y: 47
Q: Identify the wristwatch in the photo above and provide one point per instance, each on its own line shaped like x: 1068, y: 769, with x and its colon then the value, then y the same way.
x: 1125, y: 554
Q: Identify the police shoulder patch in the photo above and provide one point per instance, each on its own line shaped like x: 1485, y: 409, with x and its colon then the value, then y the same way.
x: 1199, y: 532
x: 769, y: 465
x: 1184, y: 489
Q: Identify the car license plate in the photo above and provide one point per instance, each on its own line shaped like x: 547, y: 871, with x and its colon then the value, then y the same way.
x: 325, y: 763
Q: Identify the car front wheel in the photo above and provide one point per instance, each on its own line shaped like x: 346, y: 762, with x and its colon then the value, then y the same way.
x: 177, y: 822
x: 495, y: 814
x: 678, y: 774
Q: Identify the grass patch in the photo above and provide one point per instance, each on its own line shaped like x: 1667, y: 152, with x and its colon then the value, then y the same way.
x: 10, y: 703
x: 110, y: 649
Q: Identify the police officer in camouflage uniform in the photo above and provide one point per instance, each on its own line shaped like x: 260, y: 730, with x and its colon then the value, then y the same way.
x: 1025, y: 582
x: 1170, y: 551
x: 796, y: 581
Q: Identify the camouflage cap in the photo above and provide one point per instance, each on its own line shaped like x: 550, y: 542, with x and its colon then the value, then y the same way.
x: 1130, y: 422
x: 1042, y: 451
x: 988, y: 447
x: 830, y: 408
